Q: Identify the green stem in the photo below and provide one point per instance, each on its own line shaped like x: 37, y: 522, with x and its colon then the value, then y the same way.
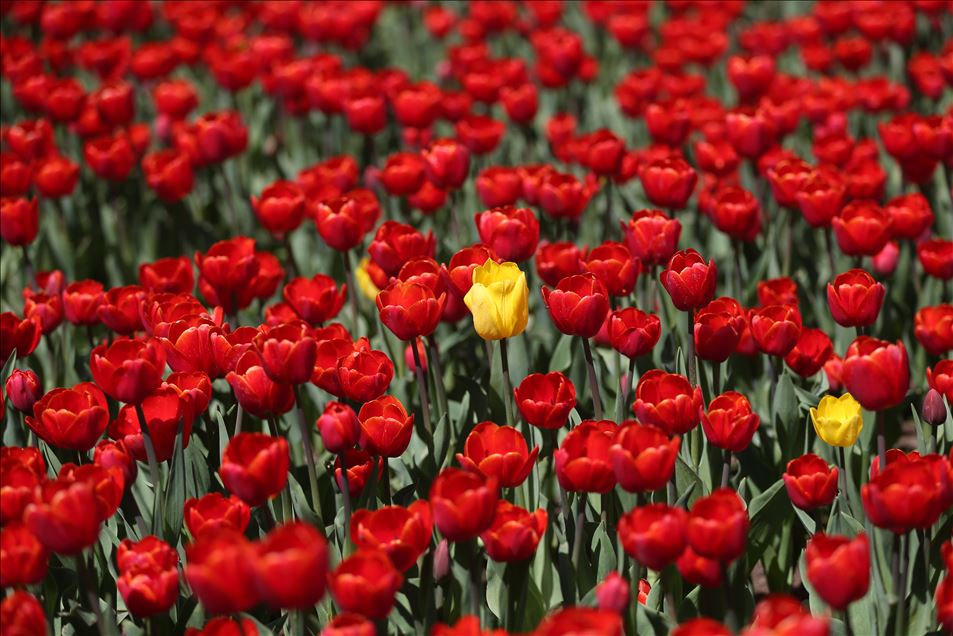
x: 153, y: 471
x: 593, y: 382
x: 423, y: 393
x: 346, y: 498
x: 626, y: 382
x: 434, y: 352
x: 351, y: 289
x: 690, y: 349
x: 88, y: 585
x: 305, y: 432
x: 579, y: 530
x: 507, y: 384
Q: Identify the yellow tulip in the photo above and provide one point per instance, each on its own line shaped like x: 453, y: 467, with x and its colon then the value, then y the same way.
x: 364, y: 282
x: 498, y: 300
x: 838, y: 420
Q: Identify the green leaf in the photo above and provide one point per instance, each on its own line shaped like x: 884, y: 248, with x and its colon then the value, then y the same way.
x: 175, y: 492
x: 562, y: 354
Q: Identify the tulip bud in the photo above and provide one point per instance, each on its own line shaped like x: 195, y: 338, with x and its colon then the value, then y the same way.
x: 933, y: 409
x: 441, y: 560
x: 613, y: 593
x: 24, y: 389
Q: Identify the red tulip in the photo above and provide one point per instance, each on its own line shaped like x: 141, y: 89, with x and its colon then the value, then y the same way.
x: 613, y: 265
x: 936, y: 257
x: 668, y: 182
x: 810, y: 482
x: 219, y: 135
x: 512, y: 233
x: 775, y: 328
x: 291, y: 564
x: 23, y: 558
x: 119, y: 311
x: 173, y: 274
x: 669, y: 123
x: 21, y: 613
x: 813, y: 349
x: 363, y: 374
x: 520, y: 102
x: 462, y: 264
x: 821, y: 197
x: 514, y: 534
x: 736, y: 212
x: 410, y: 310
x: 730, y: 423
x: 689, y: 280
x: 81, y: 301
x: 906, y: 495
x: 855, y: 298
x: 19, y: 220
x: 933, y: 328
x: 718, y: 329
x: 940, y: 378
x: 654, y: 535
x: 403, y: 533
x: 175, y: 98
x: 563, y: 196
x: 699, y: 570
x: 220, y: 569
x: 360, y: 466
x: 148, y: 576
x: 558, y: 260
x: 110, y: 157
x: 876, y: 372
x: 578, y: 305
x: 718, y: 526
x: 386, y: 427
x: 582, y: 461
x: 255, y: 390
x: 701, y: 627
x: 643, y: 457
x: 632, y: 332
x: 862, y: 228
x: 499, y: 452
x: 65, y: 517
x: 545, y: 400
x: 225, y: 269
x: 21, y: 471
x: 71, y: 418
x: 447, y: 163
x: 56, y: 177
x: 787, y: 178
x: 366, y: 583
x: 255, y: 467
x: 343, y: 221
x: 350, y: 624
x: 43, y: 312
x: 838, y: 568
x: 780, y: 613
x: 668, y: 401
x: 167, y: 414
x: 18, y: 335
x: 316, y: 300
x: 169, y: 173
x: 481, y: 134
x: 213, y: 512
x: 910, y: 215
x: 499, y: 186
x: 463, y: 503
x: 395, y: 243
x: 339, y: 427
x: 652, y: 236
x: 580, y: 620
x: 280, y: 208
x: 287, y: 352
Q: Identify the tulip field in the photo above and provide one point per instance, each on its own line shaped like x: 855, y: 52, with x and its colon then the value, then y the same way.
x: 367, y: 318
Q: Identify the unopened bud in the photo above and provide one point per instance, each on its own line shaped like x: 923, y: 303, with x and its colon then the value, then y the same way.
x: 613, y: 593
x: 933, y: 409
x: 441, y: 561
